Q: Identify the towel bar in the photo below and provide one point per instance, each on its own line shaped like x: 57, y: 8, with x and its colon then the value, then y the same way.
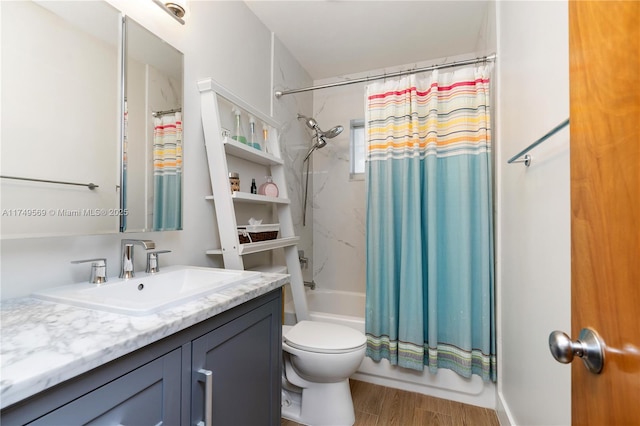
x: 527, y: 158
x: 88, y: 185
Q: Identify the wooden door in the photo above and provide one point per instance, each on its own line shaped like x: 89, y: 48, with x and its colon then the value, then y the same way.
x: 604, y: 51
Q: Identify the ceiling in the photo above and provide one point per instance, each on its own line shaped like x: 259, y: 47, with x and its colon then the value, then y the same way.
x: 332, y: 38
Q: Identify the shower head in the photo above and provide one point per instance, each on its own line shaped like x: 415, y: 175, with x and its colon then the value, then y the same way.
x: 321, y: 142
x: 313, y: 125
x: 333, y: 132
x: 319, y: 134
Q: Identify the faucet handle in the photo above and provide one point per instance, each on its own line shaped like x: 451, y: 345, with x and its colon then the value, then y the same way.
x: 152, y: 261
x: 98, y: 269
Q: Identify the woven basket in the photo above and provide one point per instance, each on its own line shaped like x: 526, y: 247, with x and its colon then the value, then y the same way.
x: 256, y: 233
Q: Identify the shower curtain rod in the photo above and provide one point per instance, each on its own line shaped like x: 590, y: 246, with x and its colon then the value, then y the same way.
x: 280, y: 93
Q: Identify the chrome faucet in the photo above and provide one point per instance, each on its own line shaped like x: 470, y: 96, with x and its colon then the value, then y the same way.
x: 126, y: 255
x: 153, y: 265
x: 98, y: 269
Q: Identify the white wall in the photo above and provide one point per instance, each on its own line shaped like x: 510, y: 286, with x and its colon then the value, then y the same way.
x: 338, y: 203
x: 533, y: 226
x: 222, y: 40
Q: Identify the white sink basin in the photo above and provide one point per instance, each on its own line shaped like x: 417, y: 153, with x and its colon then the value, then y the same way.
x: 147, y: 293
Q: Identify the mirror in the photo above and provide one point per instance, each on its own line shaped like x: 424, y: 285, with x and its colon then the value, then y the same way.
x: 67, y: 68
x: 152, y: 147
x: 60, y: 114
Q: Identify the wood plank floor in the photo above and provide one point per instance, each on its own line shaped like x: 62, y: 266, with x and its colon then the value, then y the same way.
x: 382, y: 406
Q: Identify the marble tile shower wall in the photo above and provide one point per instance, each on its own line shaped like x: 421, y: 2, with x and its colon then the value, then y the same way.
x: 338, y: 202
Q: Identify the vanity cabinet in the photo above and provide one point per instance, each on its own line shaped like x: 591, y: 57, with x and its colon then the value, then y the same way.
x: 161, y: 383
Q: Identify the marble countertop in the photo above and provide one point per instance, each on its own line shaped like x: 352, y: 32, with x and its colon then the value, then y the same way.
x: 45, y: 343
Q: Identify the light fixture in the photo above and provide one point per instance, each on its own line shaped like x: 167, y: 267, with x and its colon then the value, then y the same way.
x: 175, y: 8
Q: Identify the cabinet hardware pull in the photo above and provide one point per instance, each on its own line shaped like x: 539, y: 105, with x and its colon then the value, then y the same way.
x: 206, y: 376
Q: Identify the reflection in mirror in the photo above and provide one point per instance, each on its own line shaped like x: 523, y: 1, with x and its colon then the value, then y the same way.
x: 60, y: 115
x: 152, y: 147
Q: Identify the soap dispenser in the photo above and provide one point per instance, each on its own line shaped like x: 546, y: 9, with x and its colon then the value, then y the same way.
x: 238, y: 134
x: 265, y: 138
x: 253, y: 140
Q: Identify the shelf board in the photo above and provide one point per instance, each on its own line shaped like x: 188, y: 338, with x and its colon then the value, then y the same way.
x: 238, y: 149
x: 245, y: 197
x: 261, y: 246
x: 268, y: 245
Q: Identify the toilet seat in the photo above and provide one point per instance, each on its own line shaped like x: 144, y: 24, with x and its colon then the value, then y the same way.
x: 322, y: 337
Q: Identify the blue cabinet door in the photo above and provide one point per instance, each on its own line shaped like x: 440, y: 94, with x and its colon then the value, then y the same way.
x: 148, y: 395
x: 245, y: 361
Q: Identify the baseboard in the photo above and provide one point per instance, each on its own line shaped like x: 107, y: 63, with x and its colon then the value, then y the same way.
x: 504, y: 414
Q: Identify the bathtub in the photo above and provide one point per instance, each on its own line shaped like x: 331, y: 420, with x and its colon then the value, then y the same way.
x: 347, y: 308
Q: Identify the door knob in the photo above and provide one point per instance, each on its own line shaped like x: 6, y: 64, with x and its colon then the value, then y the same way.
x: 589, y: 347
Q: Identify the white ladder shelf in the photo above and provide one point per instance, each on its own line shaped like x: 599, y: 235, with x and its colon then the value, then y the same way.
x: 218, y: 148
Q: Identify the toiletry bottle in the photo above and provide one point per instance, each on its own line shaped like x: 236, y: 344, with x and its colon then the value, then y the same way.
x: 268, y: 188
x: 265, y: 138
x: 238, y: 133
x: 234, y: 181
x: 254, y: 189
x: 253, y: 140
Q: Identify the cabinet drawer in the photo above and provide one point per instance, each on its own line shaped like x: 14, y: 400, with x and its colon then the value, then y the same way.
x: 148, y: 395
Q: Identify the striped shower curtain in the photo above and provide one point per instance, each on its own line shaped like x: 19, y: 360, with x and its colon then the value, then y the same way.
x: 167, y: 172
x: 429, y: 227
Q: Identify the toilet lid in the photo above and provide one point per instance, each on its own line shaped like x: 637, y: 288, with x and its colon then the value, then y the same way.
x: 317, y: 336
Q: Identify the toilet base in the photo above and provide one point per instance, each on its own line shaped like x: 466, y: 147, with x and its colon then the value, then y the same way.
x: 291, y: 403
x: 323, y: 404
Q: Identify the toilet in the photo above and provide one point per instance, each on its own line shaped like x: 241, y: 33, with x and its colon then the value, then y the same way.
x: 319, y: 357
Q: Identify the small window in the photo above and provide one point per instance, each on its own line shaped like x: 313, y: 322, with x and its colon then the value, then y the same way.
x: 357, y: 149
